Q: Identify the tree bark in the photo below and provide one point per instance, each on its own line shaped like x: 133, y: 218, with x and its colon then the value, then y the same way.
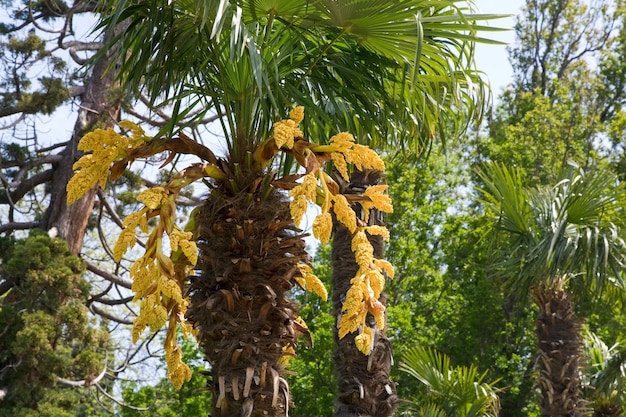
x: 247, y: 325
x: 100, y: 108
x: 364, y: 385
x: 558, y: 338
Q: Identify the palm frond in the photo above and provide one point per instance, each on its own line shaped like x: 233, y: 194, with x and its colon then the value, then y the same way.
x: 250, y: 61
x: 504, y: 193
x: 574, y: 228
x: 606, y: 372
x: 457, y: 391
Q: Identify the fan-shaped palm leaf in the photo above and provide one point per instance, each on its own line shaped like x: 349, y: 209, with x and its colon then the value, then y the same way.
x: 459, y: 391
x: 402, y: 69
x: 571, y: 229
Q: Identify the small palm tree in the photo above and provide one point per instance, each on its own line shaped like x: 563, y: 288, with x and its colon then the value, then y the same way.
x: 450, y: 392
x: 558, y: 241
x: 605, y: 376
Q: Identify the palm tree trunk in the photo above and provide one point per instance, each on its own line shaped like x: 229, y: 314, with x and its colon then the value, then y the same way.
x: 560, y: 346
x: 364, y: 385
x: 250, y: 250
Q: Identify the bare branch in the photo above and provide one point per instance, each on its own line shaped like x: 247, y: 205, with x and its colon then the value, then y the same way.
x: 26, y: 186
x: 108, y: 276
x: 109, y: 316
x: 87, y: 382
x: 82, y: 46
x: 113, y: 302
x: 31, y: 163
x: 18, y: 226
x: 116, y: 219
x: 76, y: 46
x: 14, y: 123
x: 52, y: 147
x: 118, y: 402
x: 25, y: 23
x: 36, y: 24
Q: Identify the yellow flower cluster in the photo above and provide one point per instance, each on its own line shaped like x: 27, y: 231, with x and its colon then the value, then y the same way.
x: 177, y: 371
x: 323, y: 227
x: 347, y: 152
x: 285, y: 131
x: 158, y: 278
x: 302, y: 194
x: 365, y: 340
x: 105, y: 146
x: 365, y: 290
x: 310, y: 282
x: 319, y: 188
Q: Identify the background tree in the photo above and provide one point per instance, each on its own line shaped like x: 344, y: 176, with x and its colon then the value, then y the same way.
x: 555, y: 109
x: 48, y: 340
x: 44, y: 49
x: 558, y: 241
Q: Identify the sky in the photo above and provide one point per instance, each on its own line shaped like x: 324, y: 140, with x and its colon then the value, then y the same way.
x: 493, y: 59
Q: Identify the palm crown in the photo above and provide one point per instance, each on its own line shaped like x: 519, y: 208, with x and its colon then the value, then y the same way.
x: 399, y: 69
x: 572, y: 229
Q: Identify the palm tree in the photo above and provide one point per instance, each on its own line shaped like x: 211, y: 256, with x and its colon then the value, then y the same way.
x: 450, y: 392
x: 558, y: 241
x: 247, y: 62
x: 605, y: 376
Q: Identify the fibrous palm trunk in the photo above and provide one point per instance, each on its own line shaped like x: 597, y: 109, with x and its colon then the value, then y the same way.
x: 364, y: 385
x: 250, y: 250
x: 560, y: 347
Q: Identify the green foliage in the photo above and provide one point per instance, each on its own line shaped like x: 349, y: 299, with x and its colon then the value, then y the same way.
x: 539, y: 135
x: 442, y: 296
x: 162, y: 400
x: 20, y: 55
x: 459, y: 391
x: 46, y: 329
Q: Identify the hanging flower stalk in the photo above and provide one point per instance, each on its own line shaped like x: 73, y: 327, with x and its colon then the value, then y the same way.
x: 319, y: 188
x: 158, y: 279
x: 160, y: 276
